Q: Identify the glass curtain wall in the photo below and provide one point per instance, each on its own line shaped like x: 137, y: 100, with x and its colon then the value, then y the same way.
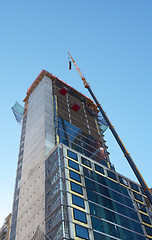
x: 117, y: 209
x: 79, y: 129
x: 80, y: 141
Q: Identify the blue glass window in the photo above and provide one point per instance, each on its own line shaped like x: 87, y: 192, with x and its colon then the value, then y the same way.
x: 115, y: 231
x: 124, y: 234
x: 97, y: 224
x: 86, y: 162
x: 138, y: 196
x: 134, y: 186
x: 132, y: 235
x: 145, y: 218
x: 111, y: 175
x: 109, y: 203
x: 105, y: 181
x: 75, y: 176
x: 148, y: 230
x: 88, y: 173
x: 141, y: 207
x: 79, y: 140
x: 76, y: 188
x: 100, y: 236
x: 118, y: 187
x: 123, y: 181
x: 73, y: 165
x: 108, y: 192
x: 78, y: 201
x: 101, y: 212
x: 79, y: 215
x: 72, y: 155
x: 99, y: 169
x: 113, y: 217
x: 81, y: 231
x: 102, y: 226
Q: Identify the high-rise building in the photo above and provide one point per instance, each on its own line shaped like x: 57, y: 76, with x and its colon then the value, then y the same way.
x: 66, y: 186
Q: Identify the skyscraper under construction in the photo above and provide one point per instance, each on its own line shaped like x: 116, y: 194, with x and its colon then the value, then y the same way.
x: 66, y: 186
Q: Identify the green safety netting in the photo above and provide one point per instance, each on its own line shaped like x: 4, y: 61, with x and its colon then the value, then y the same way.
x: 18, y: 111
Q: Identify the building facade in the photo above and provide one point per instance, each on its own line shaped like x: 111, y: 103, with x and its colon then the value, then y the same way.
x: 66, y: 186
x: 5, y: 229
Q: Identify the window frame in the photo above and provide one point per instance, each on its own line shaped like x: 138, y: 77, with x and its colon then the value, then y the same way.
x: 112, y: 173
x: 75, y: 154
x: 101, y: 172
x: 82, y: 230
x: 77, y: 204
x: 74, y: 190
x: 75, y: 176
x: 75, y: 164
x: 77, y: 212
x: 88, y: 162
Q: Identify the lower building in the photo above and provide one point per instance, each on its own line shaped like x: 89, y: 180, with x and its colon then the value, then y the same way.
x: 86, y: 200
x: 5, y: 229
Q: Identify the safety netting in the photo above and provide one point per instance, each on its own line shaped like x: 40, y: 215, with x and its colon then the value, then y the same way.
x: 18, y: 111
x: 40, y: 235
x: 103, y: 123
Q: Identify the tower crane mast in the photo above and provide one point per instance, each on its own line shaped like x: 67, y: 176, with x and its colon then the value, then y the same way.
x: 115, y: 134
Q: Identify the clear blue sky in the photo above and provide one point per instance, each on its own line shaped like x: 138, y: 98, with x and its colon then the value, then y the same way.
x: 111, y: 41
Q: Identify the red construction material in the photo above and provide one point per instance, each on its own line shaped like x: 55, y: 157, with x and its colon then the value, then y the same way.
x: 63, y: 91
x: 75, y: 107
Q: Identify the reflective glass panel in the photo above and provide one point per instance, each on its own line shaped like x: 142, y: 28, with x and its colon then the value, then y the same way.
x: 109, y: 203
x: 141, y: 207
x: 123, y: 181
x: 112, y: 175
x: 72, y: 155
x: 79, y: 215
x: 106, y: 227
x: 132, y: 235
x: 138, y: 196
x: 75, y: 176
x: 100, y: 236
x: 105, y: 181
x: 134, y: 186
x: 78, y: 201
x: 97, y: 224
x: 80, y: 140
x: 114, y: 230
x: 145, y: 218
x: 81, y: 231
x: 86, y: 162
x: 73, y: 165
x: 148, y: 230
x: 76, y: 188
x: 108, y: 192
x: 99, y: 168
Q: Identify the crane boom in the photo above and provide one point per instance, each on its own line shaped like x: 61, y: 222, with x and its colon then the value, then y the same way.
x: 79, y: 71
x: 115, y: 134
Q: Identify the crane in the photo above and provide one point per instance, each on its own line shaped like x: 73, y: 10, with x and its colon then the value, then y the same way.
x: 115, y: 134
